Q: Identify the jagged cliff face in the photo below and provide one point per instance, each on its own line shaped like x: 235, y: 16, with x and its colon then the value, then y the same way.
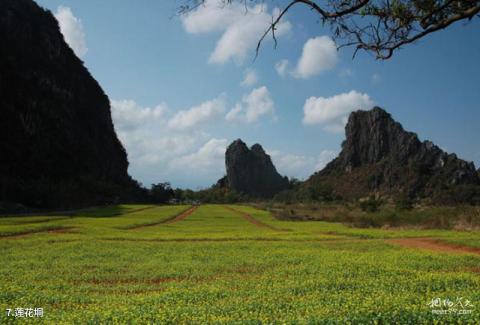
x: 379, y: 155
x: 58, y: 147
x: 251, y: 171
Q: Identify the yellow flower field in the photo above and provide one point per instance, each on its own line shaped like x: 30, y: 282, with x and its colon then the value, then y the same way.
x: 229, y: 264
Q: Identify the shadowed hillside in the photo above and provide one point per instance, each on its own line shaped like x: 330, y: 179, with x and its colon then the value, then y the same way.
x: 59, y: 147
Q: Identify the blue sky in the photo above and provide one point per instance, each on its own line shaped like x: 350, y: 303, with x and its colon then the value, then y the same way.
x: 179, y: 90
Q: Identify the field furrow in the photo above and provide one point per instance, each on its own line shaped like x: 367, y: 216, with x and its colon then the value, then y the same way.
x: 254, y: 221
x: 231, y: 264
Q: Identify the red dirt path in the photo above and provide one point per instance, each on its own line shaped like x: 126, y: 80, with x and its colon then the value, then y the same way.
x: 434, y: 245
x: 179, y: 217
x: 254, y: 221
x: 60, y: 230
x: 182, y: 215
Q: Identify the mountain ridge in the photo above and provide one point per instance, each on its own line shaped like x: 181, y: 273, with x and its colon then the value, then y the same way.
x: 378, y: 155
x: 250, y: 171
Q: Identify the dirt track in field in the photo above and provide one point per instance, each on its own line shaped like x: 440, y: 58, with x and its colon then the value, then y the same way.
x: 254, y: 221
x: 182, y: 215
x: 179, y: 217
x: 60, y: 230
x: 434, y: 245
x: 133, y: 211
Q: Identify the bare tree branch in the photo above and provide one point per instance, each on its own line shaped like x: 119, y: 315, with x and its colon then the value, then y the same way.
x: 377, y: 26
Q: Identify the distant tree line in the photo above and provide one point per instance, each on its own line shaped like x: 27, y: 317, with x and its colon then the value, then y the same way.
x: 298, y: 192
x: 164, y: 193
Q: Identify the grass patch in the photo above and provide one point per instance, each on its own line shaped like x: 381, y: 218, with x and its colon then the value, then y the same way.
x: 215, y: 266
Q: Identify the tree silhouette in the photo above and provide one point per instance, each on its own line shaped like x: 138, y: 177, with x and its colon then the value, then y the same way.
x: 380, y: 27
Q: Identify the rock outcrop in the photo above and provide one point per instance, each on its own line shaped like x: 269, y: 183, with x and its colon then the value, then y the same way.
x: 251, y: 171
x: 59, y: 148
x: 378, y: 155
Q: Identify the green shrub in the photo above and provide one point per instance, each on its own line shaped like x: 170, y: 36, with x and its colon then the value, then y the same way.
x: 403, y: 203
x: 371, y: 204
x: 458, y: 194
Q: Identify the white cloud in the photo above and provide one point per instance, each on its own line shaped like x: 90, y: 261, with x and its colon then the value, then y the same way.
x: 250, y: 78
x: 241, y: 28
x: 158, y: 153
x: 235, y: 114
x: 127, y: 114
x: 72, y: 30
x: 332, y: 112
x: 319, y: 54
x: 190, y: 157
x: 324, y: 158
x: 139, y: 128
x: 281, y: 67
x: 210, y: 17
x: 300, y: 166
x: 209, y: 156
x: 198, y: 114
x: 147, y: 148
x: 252, y: 107
x: 186, y: 160
x: 291, y: 165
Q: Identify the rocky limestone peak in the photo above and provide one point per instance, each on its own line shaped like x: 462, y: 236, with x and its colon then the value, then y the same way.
x: 379, y: 155
x: 257, y: 148
x: 238, y: 143
x: 373, y: 135
x: 251, y: 171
